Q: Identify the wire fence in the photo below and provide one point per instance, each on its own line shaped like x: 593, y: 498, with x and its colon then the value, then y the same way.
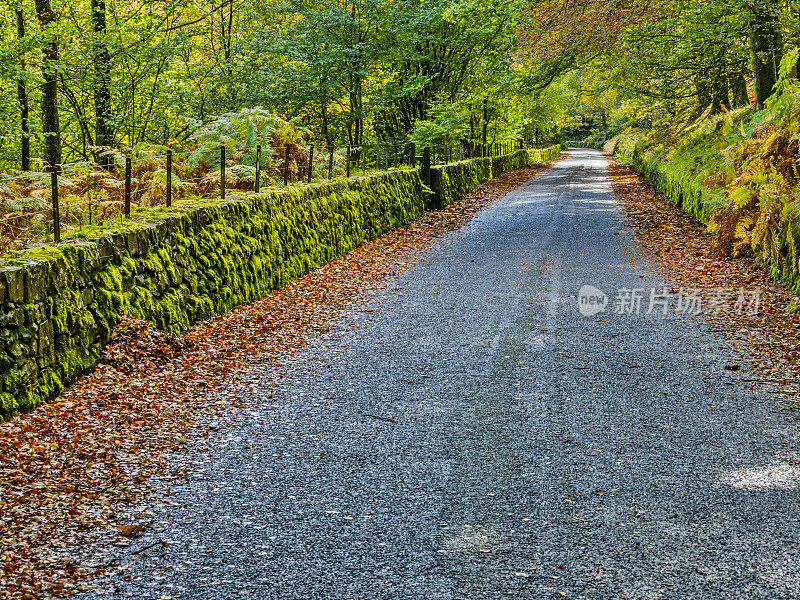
x: 67, y: 201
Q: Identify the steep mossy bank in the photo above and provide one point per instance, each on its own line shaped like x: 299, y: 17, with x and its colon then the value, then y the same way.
x: 736, y: 172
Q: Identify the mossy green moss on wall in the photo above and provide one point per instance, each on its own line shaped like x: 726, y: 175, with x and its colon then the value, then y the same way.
x: 737, y: 173
x: 454, y: 181
x: 537, y: 155
x: 183, y: 264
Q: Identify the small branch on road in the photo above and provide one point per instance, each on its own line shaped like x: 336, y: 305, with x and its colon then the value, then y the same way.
x: 380, y: 418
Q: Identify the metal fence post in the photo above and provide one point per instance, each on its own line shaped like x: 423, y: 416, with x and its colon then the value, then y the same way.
x: 127, y: 187
x: 54, y: 192
x: 169, y: 177
x: 347, y: 162
x: 310, y: 162
x: 330, y: 162
x: 258, y: 169
x: 222, y: 171
x: 286, y: 166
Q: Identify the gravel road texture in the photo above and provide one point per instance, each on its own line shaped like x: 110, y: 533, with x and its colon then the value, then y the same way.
x: 467, y: 433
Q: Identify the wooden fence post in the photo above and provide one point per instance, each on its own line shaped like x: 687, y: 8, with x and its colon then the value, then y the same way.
x: 426, y: 165
x: 330, y: 162
x: 169, y: 177
x: 222, y: 171
x: 127, y: 187
x: 310, y: 162
x: 54, y: 191
x: 257, y: 186
x: 347, y: 162
x: 286, y: 166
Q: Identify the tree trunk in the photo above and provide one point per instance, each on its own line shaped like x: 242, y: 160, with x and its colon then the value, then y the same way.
x: 226, y: 23
x: 326, y: 133
x: 50, y: 125
x: 102, y: 95
x: 766, y: 52
x: 739, y: 91
x: 719, y: 94
x: 24, y: 107
x: 356, y: 104
x: 703, y: 95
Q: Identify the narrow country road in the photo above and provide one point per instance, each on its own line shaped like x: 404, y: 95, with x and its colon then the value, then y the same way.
x: 468, y: 434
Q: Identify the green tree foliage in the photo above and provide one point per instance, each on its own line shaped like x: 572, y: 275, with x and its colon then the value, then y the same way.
x: 667, y: 58
x: 100, y: 76
x: 83, y: 79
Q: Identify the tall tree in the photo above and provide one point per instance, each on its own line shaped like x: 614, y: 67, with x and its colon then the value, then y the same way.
x: 50, y: 121
x: 22, y: 95
x: 104, y: 135
x: 766, y: 48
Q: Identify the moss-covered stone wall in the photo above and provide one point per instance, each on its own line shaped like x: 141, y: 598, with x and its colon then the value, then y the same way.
x: 175, y: 266
x: 180, y: 265
x: 675, y: 175
x: 452, y: 182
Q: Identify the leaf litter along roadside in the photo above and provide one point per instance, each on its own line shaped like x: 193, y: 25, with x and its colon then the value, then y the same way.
x: 768, y: 342
x: 72, y: 470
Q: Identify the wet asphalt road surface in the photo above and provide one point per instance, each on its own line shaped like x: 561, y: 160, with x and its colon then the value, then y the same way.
x: 468, y: 434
